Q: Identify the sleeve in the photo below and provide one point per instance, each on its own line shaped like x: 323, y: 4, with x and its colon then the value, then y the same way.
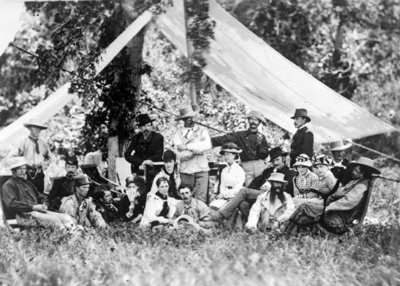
x: 348, y: 201
x: 263, y: 148
x: 239, y: 181
x: 289, y: 187
x: 201, y: 145
x: 11, y: 200
x: 157, y: 148
x: 255, y: 212
x: 221, y: 140
x: 257, y: 182
x: 128, y: 153
x: 290, y: 208
x: 204, y: 216
x: 67, y: 206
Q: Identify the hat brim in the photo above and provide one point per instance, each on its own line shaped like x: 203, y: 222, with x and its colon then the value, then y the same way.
x: 27, y: 125
x: 190, y: 114
x: 341, y: 148
x: 372, y: 169
x: 304, y: 164
x: 308, y: 119
x: 278, y: 155
x: 279, y: 181
x: 234, y: 151
x: 17, y: 165
x: 186, y: 218
x: 262, y: 120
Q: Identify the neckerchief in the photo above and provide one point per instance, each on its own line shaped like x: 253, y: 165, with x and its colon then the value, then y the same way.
x: 35, y: 140
x: 165, y: 208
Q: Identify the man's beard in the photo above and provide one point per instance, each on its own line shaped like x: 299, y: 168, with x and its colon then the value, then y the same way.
x: 273, y: 194
x: 70, y: 176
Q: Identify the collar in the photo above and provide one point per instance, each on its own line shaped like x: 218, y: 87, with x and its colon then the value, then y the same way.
x: 161, y: 196
x: 33, y: 139
x: 248, y: 132
x: 302, y: 127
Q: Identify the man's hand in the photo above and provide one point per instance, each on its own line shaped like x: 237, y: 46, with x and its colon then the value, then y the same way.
x: 181, y: 147
x: 147, y: 162
x: 39, y: 208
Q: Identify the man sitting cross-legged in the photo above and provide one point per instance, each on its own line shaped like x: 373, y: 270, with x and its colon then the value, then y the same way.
x: 273, y: 207
x: 22, y: 200
x: 194, y: 208
x: 247, y: 196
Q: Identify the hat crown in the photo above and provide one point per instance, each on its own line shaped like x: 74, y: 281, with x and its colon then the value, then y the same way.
x: 366, y: 162
x: 301, y: 112
x: 16, y: 162
x: 277, y: 177
x: 143, y: 119
x: 322, y: 160
x: 338, y: 145
x: 230, y: 147
x: 71, y: 160
x: 276, y: 152
x: 35, y: 122
x: 256, y: 114
x: 186, y: 111
x: 303, y: 160
x: 82, y: 180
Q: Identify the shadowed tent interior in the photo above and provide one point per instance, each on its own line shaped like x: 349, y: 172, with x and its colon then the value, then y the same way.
x: 247, y: 68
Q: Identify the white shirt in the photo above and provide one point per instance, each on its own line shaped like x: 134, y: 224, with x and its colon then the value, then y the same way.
x: 232, y: 180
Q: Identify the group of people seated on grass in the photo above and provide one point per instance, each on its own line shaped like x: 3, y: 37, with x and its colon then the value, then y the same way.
x: 259, y: 188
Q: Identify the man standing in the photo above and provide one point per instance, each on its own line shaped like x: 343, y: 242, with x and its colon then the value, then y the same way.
x: 252, y: 142
x: 64, y: 186
x: 194, y: 208
x: 303, y: 139
x: 191, y: 142
x: 23, y: 201
x: 36, y: 153
x: 146, y: 147
x: 247, y: 196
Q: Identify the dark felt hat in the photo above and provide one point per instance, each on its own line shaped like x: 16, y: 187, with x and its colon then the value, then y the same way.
x: 143, y: 119
x: 301, y: 112
x: 71, y: 160
x: 276, y: 152
x: 231, y: 148
x: 82, y: 180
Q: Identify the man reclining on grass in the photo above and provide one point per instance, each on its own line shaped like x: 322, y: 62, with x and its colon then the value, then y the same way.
x: 22, y: 200
x: 341, y: 208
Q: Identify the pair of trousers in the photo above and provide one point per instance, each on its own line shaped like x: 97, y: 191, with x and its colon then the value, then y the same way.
x: 46, y: 219
x: 198, y: 182
x: 252, y: 169
x: 245, y: 194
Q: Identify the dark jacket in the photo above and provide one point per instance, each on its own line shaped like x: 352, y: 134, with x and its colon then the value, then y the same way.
x: 123, y: 207
x: 20, y: 195
x: 302, y: 143
x: 260, y: 180
x: 62, y: 187
x: 342, y: 174
x: 151, y: 148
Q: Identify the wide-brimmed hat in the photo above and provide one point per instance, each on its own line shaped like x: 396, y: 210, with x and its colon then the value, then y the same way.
x: 301, y: 112
x: 188, y: 111
x: 71, y: 160
x: 339, y: 145
x: 365, y: 162
x: 303, y: 160
x: 257, y: 115
x: 35, y: 123
x: 15, y: 162
x: 231, y: 148
x: 143, y: 119
x: 277, y: 177
x: 322, y: 160
x: 276, y: 152
x: 82, y: 180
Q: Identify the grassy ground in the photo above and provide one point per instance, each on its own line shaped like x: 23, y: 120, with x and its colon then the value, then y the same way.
x: 124, y: 255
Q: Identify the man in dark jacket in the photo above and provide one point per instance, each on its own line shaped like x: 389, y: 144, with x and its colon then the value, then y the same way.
x: 339, y: 168
x: 253, y: 144
x: 303, y: 139
x: 247, y: 196
x: 146, y: 147
x: 64, y: 186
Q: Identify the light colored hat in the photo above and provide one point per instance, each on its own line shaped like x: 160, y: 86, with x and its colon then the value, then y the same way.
x: 365, y: 162
x: 303, y: 160
x: 339, y: 145
x: 189, y: 222
x: 35, y: 123
x: 322, y: 160
x: 188, y: 111
x: 257, y: 115
x: 16, y: 162
x: 231, y: 148
x: 277, y: 177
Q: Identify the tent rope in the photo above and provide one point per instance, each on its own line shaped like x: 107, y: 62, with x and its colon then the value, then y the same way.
x: 377, y: 152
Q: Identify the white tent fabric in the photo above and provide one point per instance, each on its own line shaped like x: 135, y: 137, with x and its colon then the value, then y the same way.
x: 251, y: 70
x: 10, y: 23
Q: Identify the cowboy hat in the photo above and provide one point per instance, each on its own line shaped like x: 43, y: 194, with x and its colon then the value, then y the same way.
x: 339, y: 145
x: 35, y: 123
x: 365, y: 162
x: 277, y: 177
x: 322, y: 160
x: 276, y: 152
x: 231, y: 148
x: 301, y: 112
x: 303, y: 160
x: 82, y: 180
x: 143, y: 119
x: 16, y: 162
x: 188, y: 111
x: 258, y: 115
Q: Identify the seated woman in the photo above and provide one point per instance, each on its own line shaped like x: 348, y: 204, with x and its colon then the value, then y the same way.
x: 342, y: 207
x: 327, y: 180
x: 232, y: 176
x: 158, y: 208
x: 272, y: 208
x: 132, y: 205
x: 169, y: 171
x: 305, y: 183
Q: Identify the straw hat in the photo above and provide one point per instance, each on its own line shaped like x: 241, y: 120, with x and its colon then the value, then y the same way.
x: 16, y: 162
x: 277, y: 177
x: 231, y: 148
x: 188, y: 111
x: 322, y: 160
x: 301, y: 112
x: 303, y: 160
x: 339, y: 145
x: 365, y: 162
x: 257, y: 115
x: 35, y: 123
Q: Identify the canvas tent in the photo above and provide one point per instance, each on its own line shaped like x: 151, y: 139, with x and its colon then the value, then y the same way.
x: 250, y: 70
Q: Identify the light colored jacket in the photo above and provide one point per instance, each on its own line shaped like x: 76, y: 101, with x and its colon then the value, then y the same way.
x: 232, y: 180
x: 263, y: 212
x: 198, y: 210
x: 198, y: 141
x: 27, y: 148
x: 154, y: 206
